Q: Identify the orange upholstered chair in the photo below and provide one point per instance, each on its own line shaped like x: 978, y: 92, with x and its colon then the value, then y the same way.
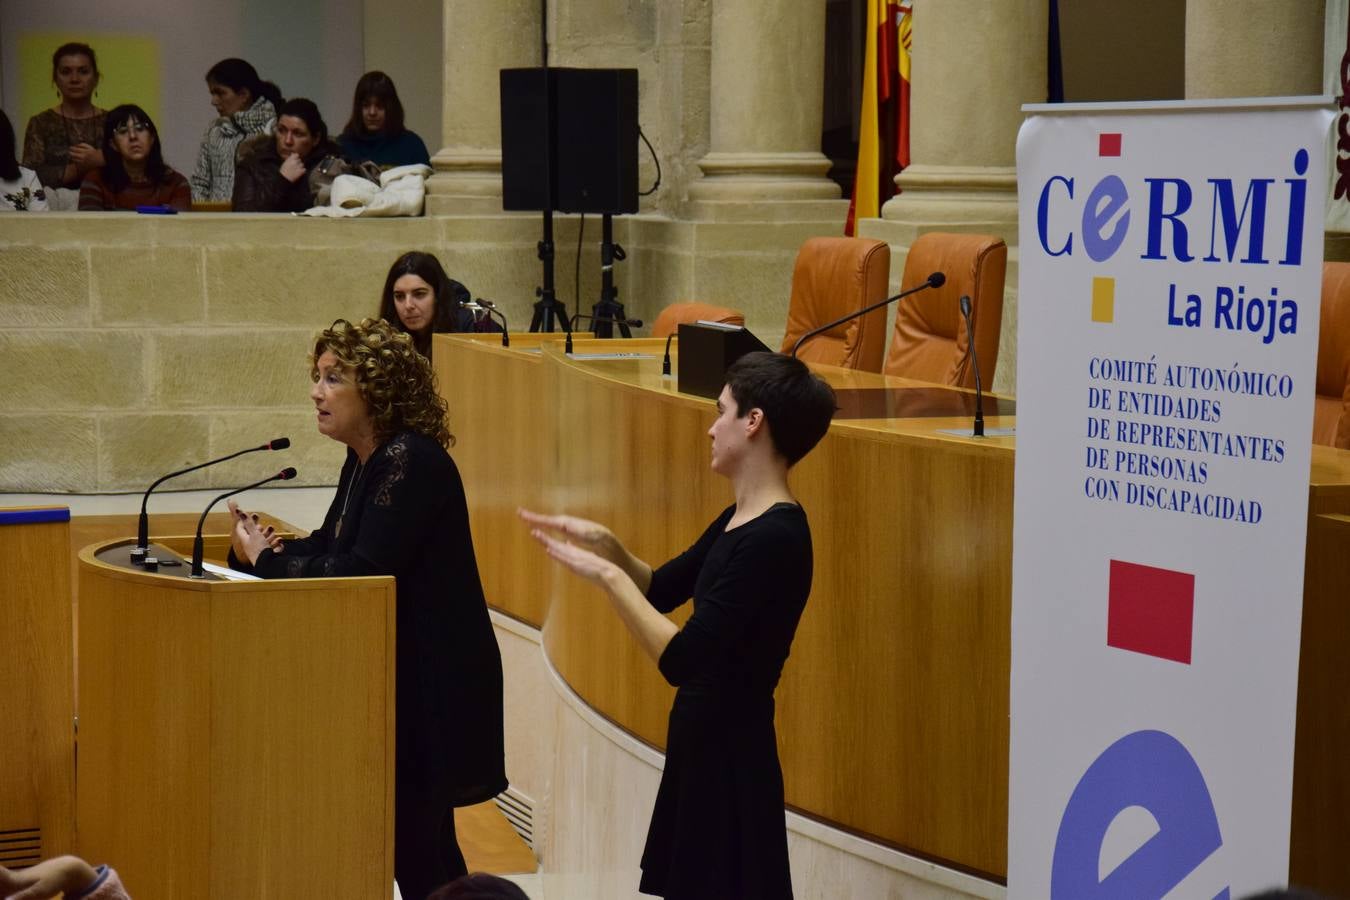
x: 834, y: 275
x: 677, y: 314
x: 929, y: 341
x: 1331, y: 406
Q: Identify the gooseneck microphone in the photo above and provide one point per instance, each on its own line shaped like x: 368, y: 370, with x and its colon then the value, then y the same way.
x: 665, y: 360
x: 489, y: 309
x: 631, y: 323
x: 492, y: 310
x: 143, y: 523
x: 937, y: 279
x: 977, y: 429
x: 197, y: 550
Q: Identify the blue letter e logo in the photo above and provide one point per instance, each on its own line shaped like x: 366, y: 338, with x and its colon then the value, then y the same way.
x: 1148, y: 769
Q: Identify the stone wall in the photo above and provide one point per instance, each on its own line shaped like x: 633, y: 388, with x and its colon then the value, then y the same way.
x: 134, y: 345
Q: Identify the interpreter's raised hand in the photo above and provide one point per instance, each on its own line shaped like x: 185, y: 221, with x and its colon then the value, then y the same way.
x: 583, y: 532
x: 67, y: 875
x: 588, y: 565
x: 293, y: 168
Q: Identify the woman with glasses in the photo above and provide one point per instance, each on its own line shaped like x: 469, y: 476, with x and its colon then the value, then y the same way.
x: 134, y: 173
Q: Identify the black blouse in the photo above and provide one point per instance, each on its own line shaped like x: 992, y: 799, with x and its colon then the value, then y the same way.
x: 403, y: 513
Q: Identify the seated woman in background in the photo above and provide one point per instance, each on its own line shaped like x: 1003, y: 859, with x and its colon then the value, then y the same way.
x: 65, y: 143
x: 246, y: 105
x: 420, y: 299
x: 400, y: 510
x: 19, y: 187
x: 134, y: 174
x: 375, y: 130
x: 271, y: 174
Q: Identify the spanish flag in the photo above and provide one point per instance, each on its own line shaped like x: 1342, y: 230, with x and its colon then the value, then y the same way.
x: 883, y: 134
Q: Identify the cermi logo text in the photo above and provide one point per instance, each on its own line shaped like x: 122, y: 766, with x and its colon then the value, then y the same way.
x: 1224, y: 219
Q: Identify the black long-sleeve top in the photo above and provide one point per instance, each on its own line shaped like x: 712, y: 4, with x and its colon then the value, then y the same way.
x: 403, y: 513
x: 749, y: 587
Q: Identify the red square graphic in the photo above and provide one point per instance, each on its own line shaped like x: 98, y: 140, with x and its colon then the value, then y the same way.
x: 1108, y: 144
x: 1150, y: 611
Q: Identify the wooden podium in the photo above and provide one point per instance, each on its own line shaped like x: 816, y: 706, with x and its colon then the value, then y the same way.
x: 37, y: 697
x: 236, y: 739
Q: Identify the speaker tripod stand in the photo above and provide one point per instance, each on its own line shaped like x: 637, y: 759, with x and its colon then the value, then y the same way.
x: 609, y: 311
x: 548, y: 306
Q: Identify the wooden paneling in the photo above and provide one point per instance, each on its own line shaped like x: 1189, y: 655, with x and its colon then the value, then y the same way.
x: 498, y: 413
x: 37, y: 697
x: 893, y: 708
x: 1320, y: 827
x: 236, y: 739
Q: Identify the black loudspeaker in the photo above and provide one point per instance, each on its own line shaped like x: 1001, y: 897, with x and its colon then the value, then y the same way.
x: 528, y: 145
x: 597, y: 140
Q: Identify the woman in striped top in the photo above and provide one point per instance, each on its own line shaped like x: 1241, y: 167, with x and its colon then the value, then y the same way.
x: 135, y: 173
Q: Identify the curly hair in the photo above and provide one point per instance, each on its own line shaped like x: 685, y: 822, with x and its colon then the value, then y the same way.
x: 397, y: 383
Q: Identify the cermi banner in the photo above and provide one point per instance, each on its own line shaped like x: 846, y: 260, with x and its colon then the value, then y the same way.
x: 1170, y: 271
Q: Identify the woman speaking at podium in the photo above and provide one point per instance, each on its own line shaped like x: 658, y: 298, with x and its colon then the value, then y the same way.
x: 718, y: 828
x: 400, y: 510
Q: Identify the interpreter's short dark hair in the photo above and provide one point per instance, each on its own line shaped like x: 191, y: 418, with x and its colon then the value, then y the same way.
x: 74, y: 48
x: 114, y: 171
x: 797, y: 403
x: 479, y: 886
x: 306, y: 110
x: 376, y: 86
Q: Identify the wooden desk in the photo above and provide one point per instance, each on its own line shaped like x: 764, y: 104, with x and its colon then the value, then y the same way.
x: 893, y: 708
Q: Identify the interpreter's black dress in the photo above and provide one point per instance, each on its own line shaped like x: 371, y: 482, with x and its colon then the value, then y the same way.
x: 718, y: 828
x: 404, y: 514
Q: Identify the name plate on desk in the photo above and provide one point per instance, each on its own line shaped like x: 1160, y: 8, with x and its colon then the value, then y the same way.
x: 913, y: 403
x: 707, y: 350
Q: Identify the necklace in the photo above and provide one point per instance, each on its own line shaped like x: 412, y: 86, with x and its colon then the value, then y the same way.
x: 356, y: 478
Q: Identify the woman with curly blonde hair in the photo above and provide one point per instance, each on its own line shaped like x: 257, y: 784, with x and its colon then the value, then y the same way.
x: 400, y: 510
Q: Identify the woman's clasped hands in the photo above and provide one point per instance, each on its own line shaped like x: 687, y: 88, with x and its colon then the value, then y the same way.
x: 250, y: 537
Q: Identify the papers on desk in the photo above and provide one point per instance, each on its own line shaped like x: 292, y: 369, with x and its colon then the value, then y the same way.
x: 228, y: 574
x: 612, y: 355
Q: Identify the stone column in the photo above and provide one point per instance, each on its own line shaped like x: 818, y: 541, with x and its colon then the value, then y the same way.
x: 975, y: 64
x: 1253, y: 48
x: 481, y: 38
x: 766, y: 97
